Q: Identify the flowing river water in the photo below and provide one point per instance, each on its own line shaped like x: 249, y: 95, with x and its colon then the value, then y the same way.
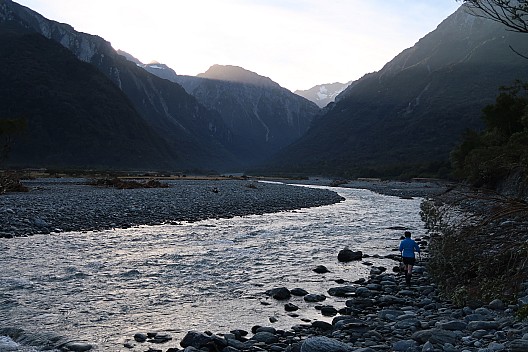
x: 103, y: 287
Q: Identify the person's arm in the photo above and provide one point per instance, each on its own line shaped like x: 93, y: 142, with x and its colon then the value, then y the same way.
x: 416, y: 247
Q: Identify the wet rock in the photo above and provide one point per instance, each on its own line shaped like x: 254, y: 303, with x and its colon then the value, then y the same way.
x: 198, y: 340
x: 342, y: 291
x: 290, y: 307
x: 348, y: 255
x: 298, y: 292
x: 312, y: 297
x: 321, y: 269
x: 140, y: 337
x: 77, y: 346
x: 279, y: 293
x: 328, y: 311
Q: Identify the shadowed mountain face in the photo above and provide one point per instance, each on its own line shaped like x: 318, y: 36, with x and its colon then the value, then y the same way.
x: 76, y: 117
x: 262, y: 116
x: 407, y: 117
x: 196, y: 137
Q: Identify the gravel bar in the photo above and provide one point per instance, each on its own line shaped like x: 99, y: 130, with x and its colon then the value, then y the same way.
x: 59, y: 205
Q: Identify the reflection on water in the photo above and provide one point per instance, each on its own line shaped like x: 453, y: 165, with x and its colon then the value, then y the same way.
x: 103, y: 287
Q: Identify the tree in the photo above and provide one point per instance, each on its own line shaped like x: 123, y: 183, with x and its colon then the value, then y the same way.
x: 512, y: 13
x: 8, y: 128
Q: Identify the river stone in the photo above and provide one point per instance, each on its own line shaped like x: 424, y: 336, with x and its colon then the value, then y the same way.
x: 404, y: 346
x: 328, y: 311
x: 324, y: 344
x: 312, y: 297
x: 322, y: 325
x: 197, y: 339
x: 348, y: 255
x: 342, y: 291
x: 453, y: 325
x: 266, y: 337
x: 482, y: 325
x: 435, y: 336
x: 140, y: 337
x: 321, y: 269
x: 280, y: 293
x: 290, y: 307
x: 496, y: 304
x: 520, y: 345
x: 78, y: 346
x: 298, y: 292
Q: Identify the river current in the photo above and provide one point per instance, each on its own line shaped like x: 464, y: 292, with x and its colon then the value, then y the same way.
x: 103, y: 287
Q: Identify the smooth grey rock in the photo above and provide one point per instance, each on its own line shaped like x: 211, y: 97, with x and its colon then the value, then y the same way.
x: 519, y: 345
x: 404, y: 346
x: 435, y: 336
x: 453, y: 325
x: 312, y: 297
x: 342, y: 291
x: 266, y: 337
x: 78, y: 346
x: 324, y: 344
x: 298, y: 292
x: 482, y: 325
x: 497, y: 304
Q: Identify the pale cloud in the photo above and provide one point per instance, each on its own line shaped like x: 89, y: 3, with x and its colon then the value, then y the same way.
x: 297, y: 43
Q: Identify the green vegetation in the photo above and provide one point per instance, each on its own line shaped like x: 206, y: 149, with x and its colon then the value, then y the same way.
x: 487, y: 157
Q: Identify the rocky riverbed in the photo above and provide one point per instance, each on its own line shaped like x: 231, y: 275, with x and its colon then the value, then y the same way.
x: 381, y: 313
x: 58, y: 205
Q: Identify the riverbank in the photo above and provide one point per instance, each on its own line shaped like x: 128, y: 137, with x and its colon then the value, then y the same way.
x: 55, y: 205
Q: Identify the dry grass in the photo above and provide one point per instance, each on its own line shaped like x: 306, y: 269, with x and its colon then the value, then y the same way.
x: 481, y: 252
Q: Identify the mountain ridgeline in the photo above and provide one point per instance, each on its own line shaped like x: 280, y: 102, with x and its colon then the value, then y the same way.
x: 262, y: 116
x: 89, y: 106
x: 406, y: 118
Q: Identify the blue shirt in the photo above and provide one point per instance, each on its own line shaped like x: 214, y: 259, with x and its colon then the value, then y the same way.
x: 408, y: 246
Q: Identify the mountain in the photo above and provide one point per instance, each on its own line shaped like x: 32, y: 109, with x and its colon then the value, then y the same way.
x: 323, y: 94
x: 406, y: 118
x: 75, y: 116
x: 262, y: 116
x: 196, y: 136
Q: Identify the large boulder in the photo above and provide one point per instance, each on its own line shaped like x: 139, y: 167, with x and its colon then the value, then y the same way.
x: 348, y: 255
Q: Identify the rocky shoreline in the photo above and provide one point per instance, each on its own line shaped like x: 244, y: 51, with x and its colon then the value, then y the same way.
x: 61, y: 205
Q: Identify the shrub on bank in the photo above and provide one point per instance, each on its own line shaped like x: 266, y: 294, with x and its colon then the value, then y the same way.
x: 127, y: 184
x: 479, y: 248
x: 10, y: 182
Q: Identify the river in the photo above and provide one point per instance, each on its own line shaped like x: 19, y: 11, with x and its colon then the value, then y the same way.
x: 103, y: 287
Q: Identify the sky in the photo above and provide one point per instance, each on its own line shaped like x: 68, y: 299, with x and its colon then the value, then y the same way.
x: 296, y: 43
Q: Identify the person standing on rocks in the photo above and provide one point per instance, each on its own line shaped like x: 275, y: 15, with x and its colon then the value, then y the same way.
x: 408, y: 247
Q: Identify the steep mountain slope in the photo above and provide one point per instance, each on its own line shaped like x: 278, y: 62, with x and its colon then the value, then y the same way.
x: 323, y: 94
x: 197, y: 137
x: 76, y: 117
x: 408, y: 116
x: 262, y: 116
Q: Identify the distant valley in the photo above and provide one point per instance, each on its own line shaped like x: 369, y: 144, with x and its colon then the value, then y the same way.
x: 89, y: 106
